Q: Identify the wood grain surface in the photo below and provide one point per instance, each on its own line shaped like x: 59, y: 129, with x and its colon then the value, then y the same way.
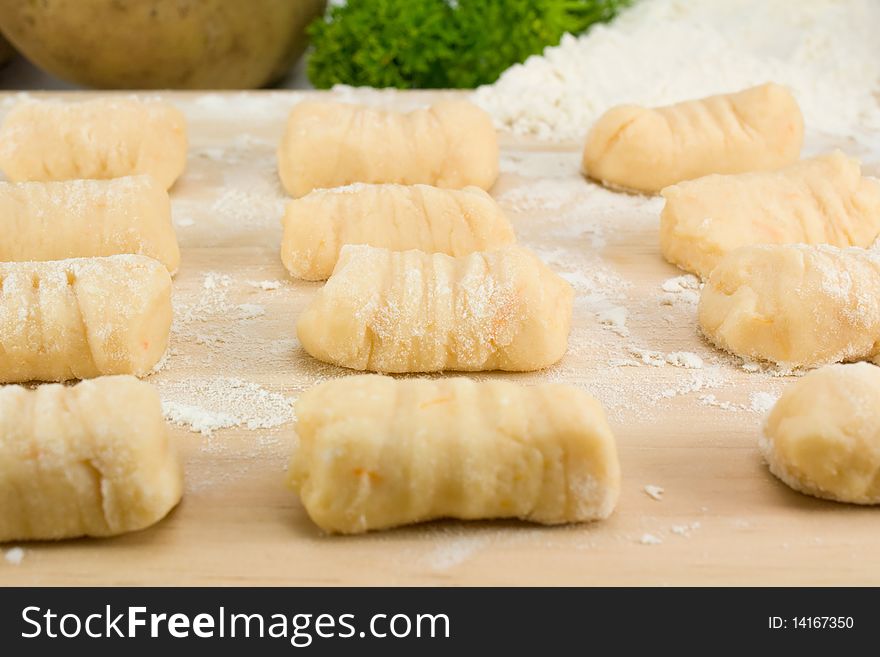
x: 723, y: 519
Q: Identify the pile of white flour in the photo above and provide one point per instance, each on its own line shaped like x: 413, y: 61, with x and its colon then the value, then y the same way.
x: 664, y: 51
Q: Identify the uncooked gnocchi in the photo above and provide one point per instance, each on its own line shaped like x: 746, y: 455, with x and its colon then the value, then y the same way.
x: 101, y: 138
x: 824, y: 200
x: 375, y: 452
x: 326, y: 144
x: 89, y: 460
x: 410, y: 311
x: 80, y: 318
x: 396, y: 217
x: 647, y: 149
x: 81, y: 218
x: 795, y: 305
x: 823, y: 435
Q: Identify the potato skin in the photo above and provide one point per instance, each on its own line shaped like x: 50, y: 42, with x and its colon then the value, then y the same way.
x: 155, y: 44
x: 7, y: 52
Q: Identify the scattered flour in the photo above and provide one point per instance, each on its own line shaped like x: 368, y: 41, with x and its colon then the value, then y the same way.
x: 762, y: 402
x: 537, y: 164
x: 686, y: 530
x: 212, y: 318
x: 239, y: 150
x: 759, y: 402
x: 649, y: 357
x: 197, y: 419
x: 213, y: 280
x: 680, y: 290
x: 571, y: 223
x: 14, y: 556
x: 14, y: 98
x: 665, y: 51
x: 247, y: 107
x: 708, y: 377
x: 614, y: 319
x: 547, y: 194
x: 711, y: 400
x: 212, y: 300
x: 623, y: 362
x: 240, y: 200
x: 449, y: 553
x: 655, y: 492
x: 266, y: 285
x: 204, y: 405
x: 681, y: 284
x: 163, y: 362
x: 251, y: 207
x: 250, y: 310
x: 686, y: 359
x: 771, y: 369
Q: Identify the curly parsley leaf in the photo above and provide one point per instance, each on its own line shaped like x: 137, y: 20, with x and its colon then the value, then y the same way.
x: 411, y: 44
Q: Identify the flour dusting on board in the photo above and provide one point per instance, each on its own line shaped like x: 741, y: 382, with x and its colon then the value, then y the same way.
x: 762, y: 402
x: 14, y: 556
x: 207, y: 404
x: 453, y: 551
x: 235, y: 364
x: 576, y: 227
x: 218, y: 314
x: 686, y: 530
x: 654, y: 492
x: 266, y: 285
x: 665, y: 51
x: 246, y: 208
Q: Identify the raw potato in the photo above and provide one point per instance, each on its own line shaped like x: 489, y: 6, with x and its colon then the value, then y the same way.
x: 396, y: 217
x: 102, y: 138
x: 161, y: 44
x: 7, y: 52
x: 89, y: 460
x: 647, y: 149
x: 81, y: 318
x: 795, y: 305
x: 410, y: 311
x: 451, y: 144
x: 824, y: 200
x: 823, y: 436
x: 375, y: 452
x: 82, y: 218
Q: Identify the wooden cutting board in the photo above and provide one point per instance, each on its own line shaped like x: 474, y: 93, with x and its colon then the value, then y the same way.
x: 723, y: 519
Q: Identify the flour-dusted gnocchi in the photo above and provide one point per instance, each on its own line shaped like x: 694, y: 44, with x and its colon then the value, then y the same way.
x: 823, y: 200
x: 795, y: 305
x: 823, y: 435
x: 410, y: 311
x: 396, y: 217
x: 375, y: 452
x: 80, y: 318
x: 93, y: 459
x: 101, y: 138
x: 326, y: 144
x: 82, y: 218
x: 647, y: 149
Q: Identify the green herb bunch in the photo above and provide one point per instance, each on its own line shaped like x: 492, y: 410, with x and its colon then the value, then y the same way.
x: 435, y: 44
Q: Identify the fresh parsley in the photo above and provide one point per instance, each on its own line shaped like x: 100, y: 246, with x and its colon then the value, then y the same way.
x: 436, y: 44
